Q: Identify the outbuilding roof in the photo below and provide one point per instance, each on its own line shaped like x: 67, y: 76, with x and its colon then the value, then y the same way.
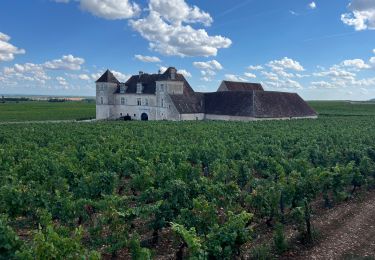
x: 242, y: 86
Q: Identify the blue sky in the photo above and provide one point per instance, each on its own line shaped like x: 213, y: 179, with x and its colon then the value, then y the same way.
x: 319, y: 49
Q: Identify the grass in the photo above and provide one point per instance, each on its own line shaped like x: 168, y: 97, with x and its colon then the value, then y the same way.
x: 43, y: 110
x: 343, y: 108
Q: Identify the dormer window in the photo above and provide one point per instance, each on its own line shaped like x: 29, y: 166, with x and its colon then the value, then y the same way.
x: 122, y: 89
x: 139, y: 88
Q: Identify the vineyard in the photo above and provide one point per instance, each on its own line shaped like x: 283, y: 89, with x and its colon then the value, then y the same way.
x: 165, y: 190
x: 43, y: 110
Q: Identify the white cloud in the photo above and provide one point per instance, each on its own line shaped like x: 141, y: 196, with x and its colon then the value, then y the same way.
x: 185, y: 73
x: 208, y: 68
x: 256, y: 67
x: 26, y: 72
x: 285, y: 63
x: 336, y: 72
x: 163, y: 69
x: 357, y: 64
x: 293, y: 13
x: 283, y: 84
x: 322, y: 84
x: 372, y: 60
x: 166, y: 30
x: 84, y: 77
x: 250, y: 75
x: 312, y: 5
x: 362, y: 15
x: 7, y: 50
x: 232, y: 77
x: 178, y: 11
x: 120, y: 76
x: 208, y: 65
x: 147, y: 58
x: 108, y: 9
x: 67, y: 62
x: 62, y: 81
x: 270, y: 76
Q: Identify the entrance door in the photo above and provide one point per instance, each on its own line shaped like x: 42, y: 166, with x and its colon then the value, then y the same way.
x: 144, y: 117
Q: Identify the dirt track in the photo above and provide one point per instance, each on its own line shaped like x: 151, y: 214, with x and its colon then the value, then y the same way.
x: 347, y: 232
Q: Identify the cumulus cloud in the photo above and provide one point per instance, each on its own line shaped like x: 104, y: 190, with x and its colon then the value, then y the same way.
x: 26, y: 72
x: 109, y: 9
x: 357, y: 64
x: 285, y: 63
x: 336, y: 72
x: 312, y: 5
x: 7, y: 50
x: 208, y: 68
x: 256, y: 67
x: 232, y: 77
x: 322, y: 84
x: 84, y: 77
x: 178, y: 11
x: 120, y: 76
x: 361, y: 15
x: 62, y: 81
x: 185, y: 73
x: 147, y: 58
x: 168, y: 30
x: 250, y: 75
x: 208, y: 65
x: 67, y: 62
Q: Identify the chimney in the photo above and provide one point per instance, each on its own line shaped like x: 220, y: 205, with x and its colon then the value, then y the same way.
x: 159, y: 71
x: 140, y: 73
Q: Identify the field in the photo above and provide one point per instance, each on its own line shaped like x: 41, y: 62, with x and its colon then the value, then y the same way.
x: 43, y: 110
x: 164, y: 190
x: 343, y: 108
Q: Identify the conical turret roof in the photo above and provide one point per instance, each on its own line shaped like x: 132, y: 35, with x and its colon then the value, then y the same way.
x: 108, y: 77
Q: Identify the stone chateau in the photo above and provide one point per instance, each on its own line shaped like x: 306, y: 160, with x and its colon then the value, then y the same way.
x: 168, y: 96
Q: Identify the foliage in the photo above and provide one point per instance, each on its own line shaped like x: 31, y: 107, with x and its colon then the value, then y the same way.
x: 49, y: 244
x: 9, y: 241
x: 139, y: 253
x: 279, y: 240
x: 211, y: 179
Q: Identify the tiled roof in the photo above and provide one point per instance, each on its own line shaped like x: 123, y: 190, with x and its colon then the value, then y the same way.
x: 149, y: 82
x: 258, y: 104
x: 242, y: 86
x: 108, y: 77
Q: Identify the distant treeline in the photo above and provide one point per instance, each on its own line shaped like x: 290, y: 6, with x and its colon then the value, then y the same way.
x: 14, y: 99
x: 53, y: 100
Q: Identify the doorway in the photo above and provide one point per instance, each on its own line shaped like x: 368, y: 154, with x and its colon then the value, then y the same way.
x: 144, y: 117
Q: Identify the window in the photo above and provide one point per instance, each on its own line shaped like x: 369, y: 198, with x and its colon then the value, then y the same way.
x: 139, y: 88
x: 162, y: 102
x: 139, y: 102
x: 146, y: 102
x: 122, y: 101
x: 101, y: 100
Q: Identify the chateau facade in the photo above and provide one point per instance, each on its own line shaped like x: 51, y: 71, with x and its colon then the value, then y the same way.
x: 168, y: 96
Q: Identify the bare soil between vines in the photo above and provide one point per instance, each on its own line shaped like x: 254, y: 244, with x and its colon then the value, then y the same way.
x: 347, y: 231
